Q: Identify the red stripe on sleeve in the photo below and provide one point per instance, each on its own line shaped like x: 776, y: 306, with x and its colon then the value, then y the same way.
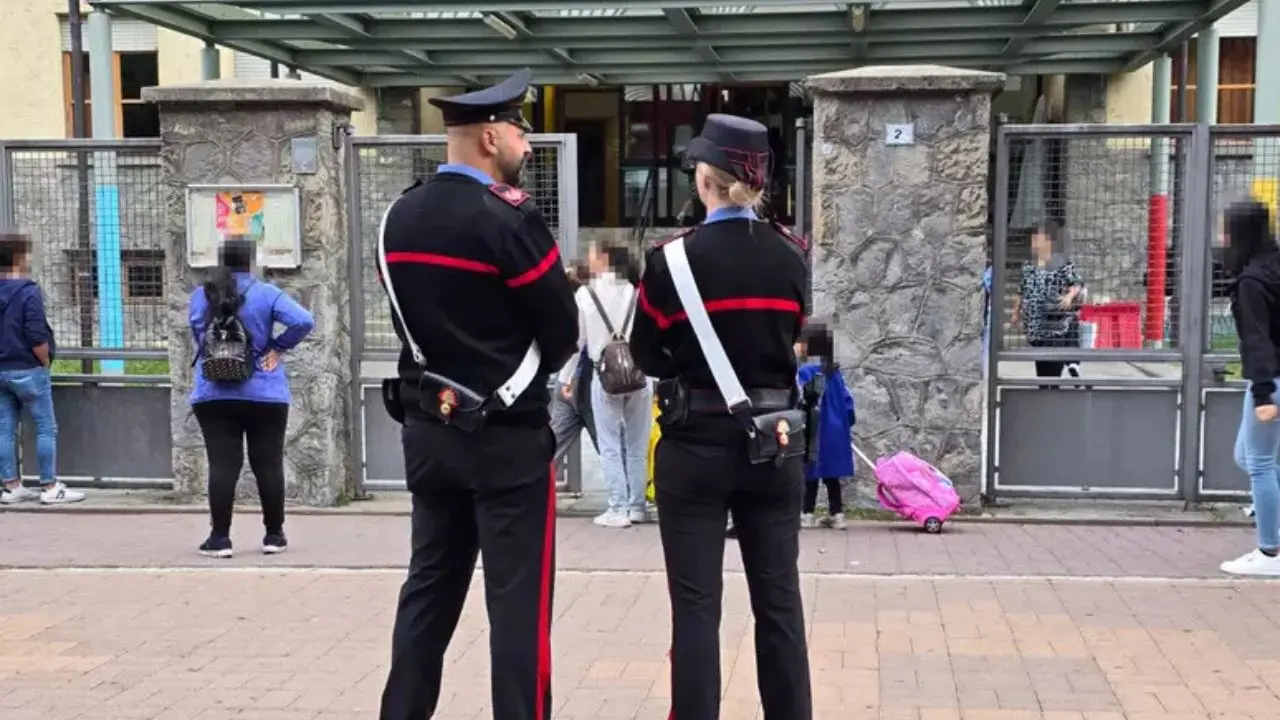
x: 537, y: 271
x: 457, y: 263
x: 662, y: 321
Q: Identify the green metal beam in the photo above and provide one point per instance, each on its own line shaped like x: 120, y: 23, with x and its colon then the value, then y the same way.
x: 729, y: 57
x: 1038, y: 11
x: 1210, y: 12
x: 683, y: 23
x: 183, y: 22
x: 641, y: 75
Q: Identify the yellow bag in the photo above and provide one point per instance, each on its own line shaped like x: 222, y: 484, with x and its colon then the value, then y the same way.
x: 654, y: 432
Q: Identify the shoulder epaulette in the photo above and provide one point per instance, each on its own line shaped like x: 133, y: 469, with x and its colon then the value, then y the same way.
x: 682, y: 232
x: 513, y: 196
x: 786, y: 232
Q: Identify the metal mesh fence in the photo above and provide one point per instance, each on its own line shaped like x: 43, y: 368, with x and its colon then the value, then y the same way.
x: 1093, y: 230
x: 97, y: 221
x: 385, y: 168
x: 1246, y: 165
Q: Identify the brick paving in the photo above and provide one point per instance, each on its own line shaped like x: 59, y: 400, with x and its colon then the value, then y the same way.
x: 982, y: 640
x: 34, y: 539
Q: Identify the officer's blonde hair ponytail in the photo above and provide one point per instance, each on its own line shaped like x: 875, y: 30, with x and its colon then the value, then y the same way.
x: 734, y: 190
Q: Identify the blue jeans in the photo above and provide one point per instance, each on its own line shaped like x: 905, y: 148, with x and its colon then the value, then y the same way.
x: 1257, y: 447
x: 30, y: 389
x: 623, y: 423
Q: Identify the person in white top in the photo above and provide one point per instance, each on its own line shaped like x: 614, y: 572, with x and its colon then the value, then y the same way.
x: 623, y: 421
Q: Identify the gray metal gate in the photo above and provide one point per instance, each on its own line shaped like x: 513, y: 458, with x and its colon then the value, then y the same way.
x: 95, y: 211
x: 378, y: 169
x: 1155, y: 406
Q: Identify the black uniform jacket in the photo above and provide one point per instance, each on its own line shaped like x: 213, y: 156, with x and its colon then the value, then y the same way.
x: 478, y: 276
x: 752, y: 278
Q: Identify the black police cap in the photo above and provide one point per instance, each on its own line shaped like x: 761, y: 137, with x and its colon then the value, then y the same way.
x: 737, y: 145
x: 499, y: 103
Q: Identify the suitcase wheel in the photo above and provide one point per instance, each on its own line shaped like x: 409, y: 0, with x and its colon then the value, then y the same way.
x: 933, y: 525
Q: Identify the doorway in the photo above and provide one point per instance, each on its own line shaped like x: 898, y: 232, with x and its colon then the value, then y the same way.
x: 592, y: 136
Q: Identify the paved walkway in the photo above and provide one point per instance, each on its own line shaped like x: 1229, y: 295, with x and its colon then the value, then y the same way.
x: 983, y: 622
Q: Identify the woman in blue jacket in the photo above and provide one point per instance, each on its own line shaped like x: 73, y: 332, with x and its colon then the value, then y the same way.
x: 836, y: 418
x: 254, y: 411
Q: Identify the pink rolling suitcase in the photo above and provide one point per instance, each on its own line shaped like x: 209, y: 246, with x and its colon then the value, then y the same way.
x: 914, y: 489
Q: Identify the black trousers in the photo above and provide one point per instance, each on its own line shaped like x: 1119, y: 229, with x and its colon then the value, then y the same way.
x: 228, y: 426
x: 696, y: 488
x: 490, y: 492
x: 835, y: 502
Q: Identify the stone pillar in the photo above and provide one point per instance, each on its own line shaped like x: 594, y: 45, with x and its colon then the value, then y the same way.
x: 899, y: 252
x: 239, y: 133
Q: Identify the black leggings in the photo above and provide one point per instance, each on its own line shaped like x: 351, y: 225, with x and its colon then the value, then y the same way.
x: 227, y: 425
x: 834, y: 500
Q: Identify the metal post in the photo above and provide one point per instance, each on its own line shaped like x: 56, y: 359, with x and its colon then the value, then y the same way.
x: 999, y: 274
x: 1207, y: 51
x: 1184, y: 77
x: 293, y: 74
x: 275, y: 70
x: 80, y: 129
x: 7, y: 219
x: 801, y: 194
x: 210, y: 62
x: 355, y: 270
x: 1193, y: 304
x: 1158, y: 208
x: 1266, y: 105
x: 106, y: 192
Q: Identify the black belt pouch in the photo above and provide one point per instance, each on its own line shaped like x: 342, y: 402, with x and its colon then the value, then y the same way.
x: 391, y: 399
x: 673, y: 402
x: 451, y: 403
x: 776, y: 436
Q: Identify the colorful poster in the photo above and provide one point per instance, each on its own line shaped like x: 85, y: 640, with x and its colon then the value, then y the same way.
x: 240, y: 213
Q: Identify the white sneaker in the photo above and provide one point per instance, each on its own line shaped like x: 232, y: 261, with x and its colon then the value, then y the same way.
x: 637, y: 516
x: 18, y: 494
x: 838, y: 522
x: 807, y: 521
x: 58, y: 494
x: 613, y: 519
x: 1253, y: 563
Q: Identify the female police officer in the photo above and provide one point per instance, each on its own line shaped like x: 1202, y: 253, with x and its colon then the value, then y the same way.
x: 721, y: 310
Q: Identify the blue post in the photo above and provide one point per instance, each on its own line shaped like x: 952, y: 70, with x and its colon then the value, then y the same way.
x: 106, y: 194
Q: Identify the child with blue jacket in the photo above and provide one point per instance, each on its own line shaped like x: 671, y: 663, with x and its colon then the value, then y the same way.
x: 836, y: 417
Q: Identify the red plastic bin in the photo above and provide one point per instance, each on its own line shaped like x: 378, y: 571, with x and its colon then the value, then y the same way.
x: 1119, y: 324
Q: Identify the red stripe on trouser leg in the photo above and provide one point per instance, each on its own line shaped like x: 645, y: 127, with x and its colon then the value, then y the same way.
x: 544, y: 601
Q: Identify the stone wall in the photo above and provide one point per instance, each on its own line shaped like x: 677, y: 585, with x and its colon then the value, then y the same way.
x: 241, y: 132
x: 898, y: 251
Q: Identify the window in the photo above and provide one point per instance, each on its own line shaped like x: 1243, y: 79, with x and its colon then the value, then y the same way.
x: 1236, y: 81
x: 142, y: 275
x: 133, y: 71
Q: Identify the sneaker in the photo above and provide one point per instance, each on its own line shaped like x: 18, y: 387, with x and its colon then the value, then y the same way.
x: 1250, y: 512
x: 837, y: 522
x: 638, y: 515
x: 18, y: 494
x: 274, y: 544
x: 1253, y: 563
x: 808, y: 521
x: 614, y: 519
x: 216, y: 547
x: 731, y: 532
x: 58, y: 494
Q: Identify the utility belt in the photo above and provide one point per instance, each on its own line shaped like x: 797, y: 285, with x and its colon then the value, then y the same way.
x: 443, y: 398
x: 452, y: 402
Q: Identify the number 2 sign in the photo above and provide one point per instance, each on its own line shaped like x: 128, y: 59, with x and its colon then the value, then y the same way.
x: 900, y: 134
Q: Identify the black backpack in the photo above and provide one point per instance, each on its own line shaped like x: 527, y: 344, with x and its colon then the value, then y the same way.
x: 618, y: 371
x: 227, y: 352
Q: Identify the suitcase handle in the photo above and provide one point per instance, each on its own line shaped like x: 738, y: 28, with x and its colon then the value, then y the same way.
x: 862, y: 456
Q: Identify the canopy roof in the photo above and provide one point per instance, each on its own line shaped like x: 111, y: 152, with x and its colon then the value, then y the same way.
x: 383, y: 43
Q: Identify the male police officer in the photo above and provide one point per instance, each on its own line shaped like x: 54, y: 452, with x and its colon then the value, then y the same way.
x: 483, y: 307
x: 721, y: 308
